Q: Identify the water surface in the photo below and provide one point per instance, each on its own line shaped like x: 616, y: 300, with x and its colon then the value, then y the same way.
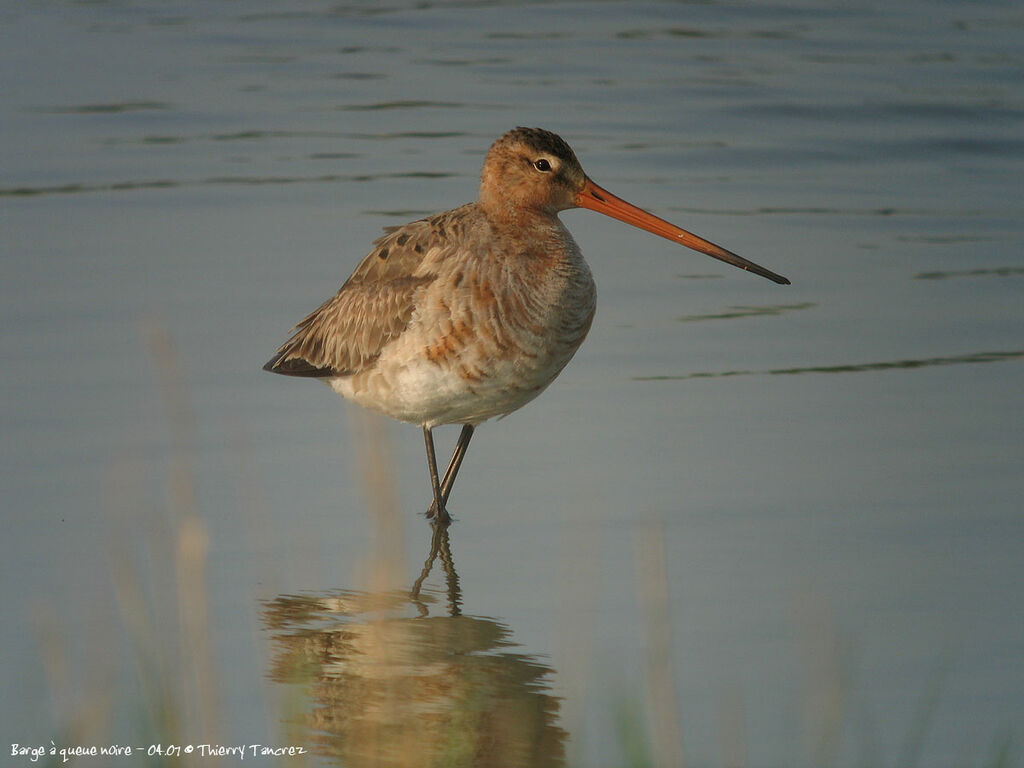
x: 749, y: 524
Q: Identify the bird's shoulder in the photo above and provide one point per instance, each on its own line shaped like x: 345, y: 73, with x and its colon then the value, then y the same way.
x: 417, y: 249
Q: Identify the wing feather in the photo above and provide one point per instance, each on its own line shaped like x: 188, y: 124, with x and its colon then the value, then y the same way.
x: 347, y: 332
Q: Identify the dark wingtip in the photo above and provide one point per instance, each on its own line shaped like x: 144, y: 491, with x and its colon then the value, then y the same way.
x: 296, y: 366
x: 271, y: 364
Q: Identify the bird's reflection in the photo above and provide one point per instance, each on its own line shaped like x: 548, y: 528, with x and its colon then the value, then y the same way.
x: 440, y: 546
x: 389, y: 684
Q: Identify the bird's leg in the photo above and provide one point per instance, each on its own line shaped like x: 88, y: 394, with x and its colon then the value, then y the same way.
x: 457, y: 456
x: 437, y: 510
x: 453, y: 467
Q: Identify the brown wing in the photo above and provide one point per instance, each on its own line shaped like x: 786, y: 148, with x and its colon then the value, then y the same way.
x: 347, y: 333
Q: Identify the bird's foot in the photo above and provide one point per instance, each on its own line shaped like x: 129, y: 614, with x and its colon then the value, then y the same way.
x: 444, y: 518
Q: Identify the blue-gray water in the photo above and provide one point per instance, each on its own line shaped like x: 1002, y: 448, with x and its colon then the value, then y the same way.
x: 833, y: 470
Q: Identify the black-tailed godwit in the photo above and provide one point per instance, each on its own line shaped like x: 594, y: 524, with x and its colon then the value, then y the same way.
x: 472, y: 313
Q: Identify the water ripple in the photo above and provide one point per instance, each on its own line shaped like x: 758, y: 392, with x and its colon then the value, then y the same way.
x: 801, y: 210
x: 105, y: 109
x: 401, y: 104
x: 780, y: 33
x: 850, y: 114
x: 256, y: 134
x: 735, y: 312
x: 991, y: 272
x: 972, y: 358
x: 122, y: 186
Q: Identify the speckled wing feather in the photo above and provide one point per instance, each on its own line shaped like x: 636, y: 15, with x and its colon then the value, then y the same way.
x: 346, y: 334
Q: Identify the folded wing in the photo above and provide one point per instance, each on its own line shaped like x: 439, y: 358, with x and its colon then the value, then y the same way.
x: 346, y: 334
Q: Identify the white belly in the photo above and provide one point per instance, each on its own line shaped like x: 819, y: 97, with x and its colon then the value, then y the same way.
x: 421, y: 392
x: 456, y: 366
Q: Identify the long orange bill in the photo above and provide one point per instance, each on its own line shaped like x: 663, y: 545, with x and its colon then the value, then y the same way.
x: 601, y: 200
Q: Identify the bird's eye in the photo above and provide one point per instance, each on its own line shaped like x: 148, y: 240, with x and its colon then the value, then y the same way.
x: 542, y: 165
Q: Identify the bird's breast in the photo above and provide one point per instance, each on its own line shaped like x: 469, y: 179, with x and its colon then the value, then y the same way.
x: 512, y: 318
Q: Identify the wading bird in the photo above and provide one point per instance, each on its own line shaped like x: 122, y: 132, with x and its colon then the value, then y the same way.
x: 471, y: 313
